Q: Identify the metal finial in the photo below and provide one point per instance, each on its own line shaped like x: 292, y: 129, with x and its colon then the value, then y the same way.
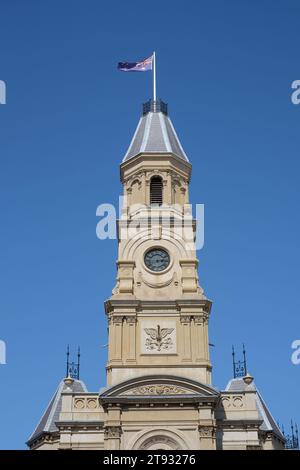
x: 72, y: 367
x: 68, y: 356
x: 239, y: 367
x: 233, y: 361
x: 244, y: 355
x: 78, y: 362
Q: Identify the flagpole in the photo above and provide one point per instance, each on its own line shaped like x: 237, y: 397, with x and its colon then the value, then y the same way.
x: 154, y: 77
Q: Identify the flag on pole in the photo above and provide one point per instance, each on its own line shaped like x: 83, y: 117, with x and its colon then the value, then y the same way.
x: 142, y: 66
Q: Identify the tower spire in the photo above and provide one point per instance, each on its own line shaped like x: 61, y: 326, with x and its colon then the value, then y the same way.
x: 155, y: 134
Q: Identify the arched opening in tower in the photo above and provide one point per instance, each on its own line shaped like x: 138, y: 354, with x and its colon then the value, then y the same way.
x: 156, y: 191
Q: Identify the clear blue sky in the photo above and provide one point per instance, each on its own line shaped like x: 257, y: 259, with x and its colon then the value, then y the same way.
x: 225, y: 68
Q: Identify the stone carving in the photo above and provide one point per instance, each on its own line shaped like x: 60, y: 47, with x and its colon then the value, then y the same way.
x: 156, y: 441
x: 232, y: 401
x: 117, y: 319
x: 158, y: 338
x: 112, y: 432
x: 157, y: 389
x: 206, y: 431
x: 79, y: 403
x: 83, y: 403
x: 226, y: 402
x: 185, y: 318
x: 130, y: 319
x: 238, y: 402
x: 92, y: 403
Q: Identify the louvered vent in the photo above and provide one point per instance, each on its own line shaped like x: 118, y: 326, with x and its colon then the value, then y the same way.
x: 156, y: 191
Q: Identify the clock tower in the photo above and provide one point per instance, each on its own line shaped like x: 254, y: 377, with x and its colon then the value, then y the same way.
x: 159, y: 391
x: 158, y: 313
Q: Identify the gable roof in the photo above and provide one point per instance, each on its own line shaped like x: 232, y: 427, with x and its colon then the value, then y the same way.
x: 51, y: 414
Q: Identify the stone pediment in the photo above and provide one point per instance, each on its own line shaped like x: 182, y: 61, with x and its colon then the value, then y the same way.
x: 160, y: 386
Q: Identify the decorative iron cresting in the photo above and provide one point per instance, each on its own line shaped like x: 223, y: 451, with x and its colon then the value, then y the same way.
x: 73, y: 368
x: 240, y: 366
x: 155, y: 107
x: 292, y: 439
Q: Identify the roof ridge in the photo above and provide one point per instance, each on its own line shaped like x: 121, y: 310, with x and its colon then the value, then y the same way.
x: 165, y: 133
x: 146, y: 132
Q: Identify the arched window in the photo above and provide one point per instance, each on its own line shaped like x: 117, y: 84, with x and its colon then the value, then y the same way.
x: 156, y: 191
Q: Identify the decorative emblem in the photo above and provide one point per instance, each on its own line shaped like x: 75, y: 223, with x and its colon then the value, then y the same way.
x: 158, y: 340
x: 158, y: 389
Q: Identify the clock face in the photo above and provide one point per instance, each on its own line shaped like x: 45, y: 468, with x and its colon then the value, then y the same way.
x: 157, y: 259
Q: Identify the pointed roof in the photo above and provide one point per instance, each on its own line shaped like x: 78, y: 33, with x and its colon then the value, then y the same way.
x: 155, y: 133
x: 268, y: 424
x: 51, y: 414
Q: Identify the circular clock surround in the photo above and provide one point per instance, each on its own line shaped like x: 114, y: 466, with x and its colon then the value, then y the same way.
x: 157, y: 259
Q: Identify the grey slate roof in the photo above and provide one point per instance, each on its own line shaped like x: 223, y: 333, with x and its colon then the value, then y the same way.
x: 51, y: 415
x: 155, y: 134
x: 268, y: 424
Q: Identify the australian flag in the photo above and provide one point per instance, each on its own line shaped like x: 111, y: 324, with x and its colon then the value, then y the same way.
x: 142, y: 66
